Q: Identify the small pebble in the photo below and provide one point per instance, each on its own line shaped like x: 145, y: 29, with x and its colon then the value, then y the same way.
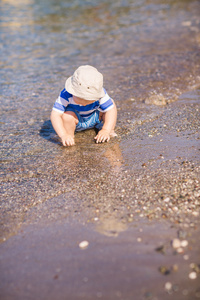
x: 83, y: 244
x: 179, y: 250
x: 160, y: 249
x: 184, y: 243
x: 176, y: 243
x: 175, y: 268
x: 167, y: 199
x: 195, y: 267
x: 193, y: 275
x: 157, y: 99
x: 164, y: 270
x: 175, y: 208
x: 168, y: 286
x: 182, y: 234
x: 195, y: 213
x: 186, y: 256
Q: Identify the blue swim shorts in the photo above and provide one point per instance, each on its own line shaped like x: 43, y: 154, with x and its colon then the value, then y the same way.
x: 91, y: 121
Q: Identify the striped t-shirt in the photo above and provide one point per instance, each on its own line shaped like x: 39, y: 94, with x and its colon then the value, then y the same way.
x: 66, y: 100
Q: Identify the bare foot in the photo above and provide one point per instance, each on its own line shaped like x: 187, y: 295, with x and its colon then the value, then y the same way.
x: 67, y: 140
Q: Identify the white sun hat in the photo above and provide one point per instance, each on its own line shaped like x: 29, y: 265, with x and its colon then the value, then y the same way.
x: 86, y: 83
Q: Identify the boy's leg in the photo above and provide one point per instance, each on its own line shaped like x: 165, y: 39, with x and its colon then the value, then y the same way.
x: 70, y: 121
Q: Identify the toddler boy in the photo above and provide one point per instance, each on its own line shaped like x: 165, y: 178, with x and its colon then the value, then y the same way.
x: 84, y: 104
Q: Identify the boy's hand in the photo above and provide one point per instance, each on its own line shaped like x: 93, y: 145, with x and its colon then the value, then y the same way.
x: 102, y: 136
x: 67, y: 140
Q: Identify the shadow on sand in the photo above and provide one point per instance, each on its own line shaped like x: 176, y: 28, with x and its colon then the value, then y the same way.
x: 47, y: 132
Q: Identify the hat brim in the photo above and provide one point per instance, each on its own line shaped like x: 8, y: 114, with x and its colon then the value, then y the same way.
x: 68, y: 86
x: 78, y: 93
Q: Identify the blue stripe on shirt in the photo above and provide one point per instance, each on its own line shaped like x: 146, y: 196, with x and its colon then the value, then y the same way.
x: 59, y: 106
x: 107, y: 104
x: 88, y: 107
x: 65, y: 95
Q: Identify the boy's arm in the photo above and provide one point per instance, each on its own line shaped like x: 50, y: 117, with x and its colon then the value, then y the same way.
x: 110, y: 118
x: 57, y: 122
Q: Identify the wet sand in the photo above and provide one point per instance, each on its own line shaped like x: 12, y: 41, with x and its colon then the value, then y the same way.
x: 135, y: 200
x: 146, y: 195
x: 47, y: 263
